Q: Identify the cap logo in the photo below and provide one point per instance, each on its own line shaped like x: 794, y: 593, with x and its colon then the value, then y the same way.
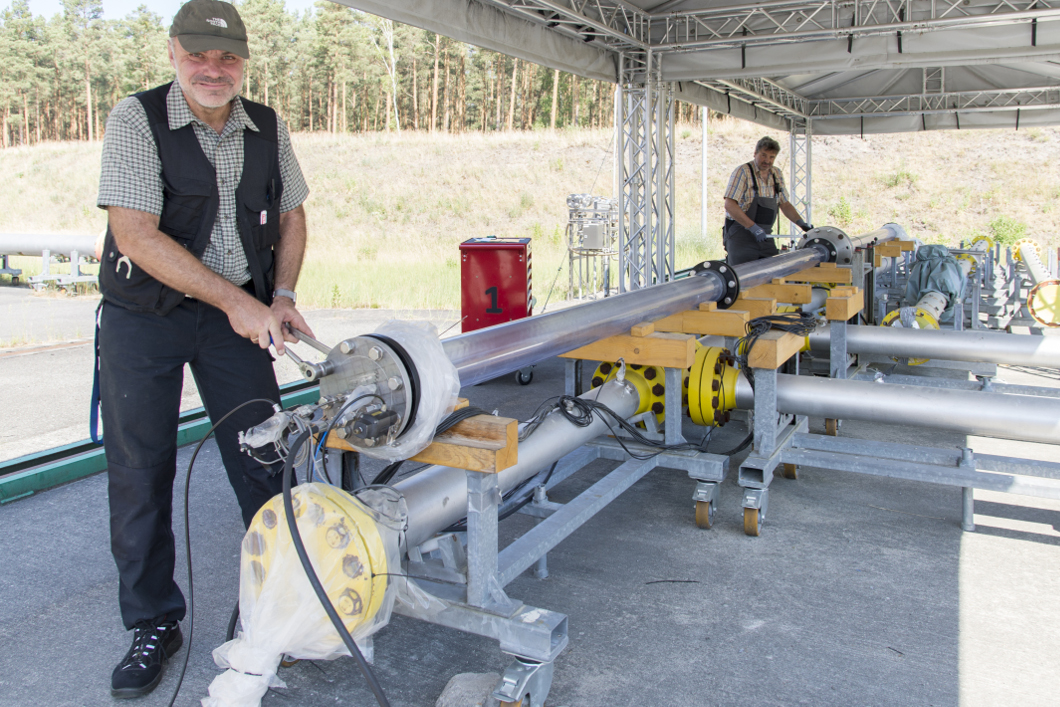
x: 217, y: 22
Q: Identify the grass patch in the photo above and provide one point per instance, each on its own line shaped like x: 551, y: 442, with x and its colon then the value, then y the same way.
x: 1006, y: 230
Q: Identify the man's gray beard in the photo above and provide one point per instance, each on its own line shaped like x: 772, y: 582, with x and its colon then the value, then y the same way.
x: 188, y: 93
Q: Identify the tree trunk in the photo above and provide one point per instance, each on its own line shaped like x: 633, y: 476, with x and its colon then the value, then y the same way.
x: 461, y: 104
x: 88, y: 100
x: 574, y: 98
x: 434, y: 86
x: 448, y: 94
x: 415, y: 97
x: 511, y: 99
x: 6, y: 143
x: 265, y: 79
x: 344, y: 112
x: 25, y: 116
x: 555, y: 99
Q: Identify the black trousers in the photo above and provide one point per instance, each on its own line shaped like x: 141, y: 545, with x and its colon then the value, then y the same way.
x: 741, y: 246
x: 142, y: 357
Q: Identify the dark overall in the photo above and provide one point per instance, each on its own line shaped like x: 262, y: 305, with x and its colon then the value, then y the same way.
x: 740, y: 243
x: 148, y: 332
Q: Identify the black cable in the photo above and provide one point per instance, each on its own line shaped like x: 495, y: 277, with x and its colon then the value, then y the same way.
x: 799, y: 323
x: 331, y: 426
x: 387, y: 474
x: 311, y: 575
x: 187, y: 540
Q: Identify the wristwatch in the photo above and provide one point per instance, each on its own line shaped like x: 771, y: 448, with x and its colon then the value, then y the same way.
x: 285, y: 293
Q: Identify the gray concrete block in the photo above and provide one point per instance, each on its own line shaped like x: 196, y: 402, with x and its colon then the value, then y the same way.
x: 470, y: 690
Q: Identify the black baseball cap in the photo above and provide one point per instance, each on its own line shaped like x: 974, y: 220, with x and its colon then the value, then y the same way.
x: 202, y: 25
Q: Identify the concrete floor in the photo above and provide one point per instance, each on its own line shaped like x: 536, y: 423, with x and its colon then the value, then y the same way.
x: 860, y: 591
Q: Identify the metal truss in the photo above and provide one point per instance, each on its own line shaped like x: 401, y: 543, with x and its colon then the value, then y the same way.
x: 794, y: 20
x: 644, y: 173
x: 621, y: 26
x: 945, y: 102
x: 800, y: 190
x: 769, y: 96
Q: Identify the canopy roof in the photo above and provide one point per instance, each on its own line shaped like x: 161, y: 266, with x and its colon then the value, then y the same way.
x: 852, y: 66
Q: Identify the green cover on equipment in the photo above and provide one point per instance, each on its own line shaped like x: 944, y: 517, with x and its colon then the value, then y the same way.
x: 935, y: 271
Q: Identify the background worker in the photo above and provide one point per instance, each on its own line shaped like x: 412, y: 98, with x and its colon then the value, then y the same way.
x: 205, y: 240
x: 752, y: 199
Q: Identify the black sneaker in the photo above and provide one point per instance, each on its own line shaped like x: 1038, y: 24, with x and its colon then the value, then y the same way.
x: 141, y: 669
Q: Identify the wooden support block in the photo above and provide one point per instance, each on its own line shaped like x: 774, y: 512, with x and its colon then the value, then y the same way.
x: 840, y: 309
x: 755, y: 306
x: 788, y: 294
x: 907, y: 245
x: 708, y: 306
x: 642, y: 329
x: 889, y: 249
x: 668, y: 350
x: 774, y: 348
x: 844, y: 291
x: 724, y: 322
x: 822, y: 273
x: 480, y: 443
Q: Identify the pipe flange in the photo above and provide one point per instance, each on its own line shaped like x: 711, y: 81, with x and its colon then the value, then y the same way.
x: 837, y: 244
x: 728, y: 276
x: 1018, y: 245
x: 1044, y: 303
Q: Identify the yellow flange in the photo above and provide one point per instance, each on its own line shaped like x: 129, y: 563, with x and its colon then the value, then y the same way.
x: 983, y: 239
x: 970, y: 258
x: 650, y: 382
x: 1022, y: 242
x: 340, y: 536
x: 1044, y: 302
x: 712, y: 386
x: 923, y: 320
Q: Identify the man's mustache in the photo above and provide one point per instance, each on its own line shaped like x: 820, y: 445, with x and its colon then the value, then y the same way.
x: 212, y: 81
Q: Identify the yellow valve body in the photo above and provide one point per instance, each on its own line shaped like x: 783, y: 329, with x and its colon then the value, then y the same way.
x: 924, y: 320
x: 711, y: 386
x: 340, y: 537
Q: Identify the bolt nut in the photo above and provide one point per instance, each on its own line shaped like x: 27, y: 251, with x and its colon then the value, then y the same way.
x: 375, y: 353
x: 340, y: 432
x: 394, y: 383
x: 657, y: 389
x: 348, y: 346
x: 650, y: 373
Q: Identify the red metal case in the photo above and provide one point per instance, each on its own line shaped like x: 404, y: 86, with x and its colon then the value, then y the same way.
x: 495, y: 281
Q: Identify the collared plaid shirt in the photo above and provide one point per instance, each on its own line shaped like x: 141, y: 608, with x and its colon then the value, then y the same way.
x: 131, y: 176
x: 741, y: 190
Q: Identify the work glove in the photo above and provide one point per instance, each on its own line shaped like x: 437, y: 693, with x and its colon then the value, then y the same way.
x: 758, y: 232
x: 803, y: 225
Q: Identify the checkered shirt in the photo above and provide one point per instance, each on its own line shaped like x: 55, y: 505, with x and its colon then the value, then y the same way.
x: 131, y: 176
x: 741, y: 190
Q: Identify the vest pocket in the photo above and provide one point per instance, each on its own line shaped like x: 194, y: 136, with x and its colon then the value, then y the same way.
x: 264, y: 221
x: 184, y: 207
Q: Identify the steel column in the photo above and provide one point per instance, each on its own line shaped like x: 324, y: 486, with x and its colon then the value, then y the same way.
x: 801, y: 186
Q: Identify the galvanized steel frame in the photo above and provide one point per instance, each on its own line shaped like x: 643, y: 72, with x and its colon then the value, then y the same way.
x: 800, y: 187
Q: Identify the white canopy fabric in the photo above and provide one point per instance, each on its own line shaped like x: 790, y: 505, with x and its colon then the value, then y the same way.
x: 856, y: 66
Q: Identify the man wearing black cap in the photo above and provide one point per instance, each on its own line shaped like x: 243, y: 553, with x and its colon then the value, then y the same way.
x: 205, y: 239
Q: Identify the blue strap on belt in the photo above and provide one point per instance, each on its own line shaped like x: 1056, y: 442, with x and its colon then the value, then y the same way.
x: 93, y: 421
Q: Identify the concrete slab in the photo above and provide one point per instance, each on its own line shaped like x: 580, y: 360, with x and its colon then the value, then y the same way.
x: 861, y: 590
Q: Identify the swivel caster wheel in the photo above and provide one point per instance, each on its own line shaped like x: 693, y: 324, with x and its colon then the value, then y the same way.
x: 831, y: 427
x: 523, y: 377
x: 791, y: 471
x: 704, y: 514
x: 752, y: 522
x: 520, y: 703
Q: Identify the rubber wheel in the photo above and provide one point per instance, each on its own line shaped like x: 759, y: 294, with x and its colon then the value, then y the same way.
x: 831, y: 427
x: 511, y: 704
x: 284, y: 663
x: 791, y: 471
x: 704, y: 514
x: 752, y: 524
x: 523, y: 379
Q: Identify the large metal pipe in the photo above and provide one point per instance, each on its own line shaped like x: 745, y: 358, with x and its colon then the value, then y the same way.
x: 437, y: 496
x: 1020, y: 417
x: 1028, y: 251
x: 973, y: 346
x: 37, y: 243
x: 491, y: 352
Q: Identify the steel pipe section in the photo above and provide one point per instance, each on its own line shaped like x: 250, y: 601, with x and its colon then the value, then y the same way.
x: 972, y: 346
x: 36, y: 243
x: 1019, y: 417
x: 491, y: 352
x: 437, y: 496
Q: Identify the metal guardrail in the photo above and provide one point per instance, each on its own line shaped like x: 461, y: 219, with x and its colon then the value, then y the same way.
x: 26, y: 475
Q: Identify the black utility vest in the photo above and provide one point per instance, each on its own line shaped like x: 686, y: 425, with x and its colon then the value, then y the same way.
x: 189, y: 206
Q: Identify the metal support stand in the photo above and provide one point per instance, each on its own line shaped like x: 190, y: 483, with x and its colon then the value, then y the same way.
x: 839, y: 359
x: 6, y: 269
x: 672, y: 406
x: 483, y: 500
x: 572, y: 376
x: 967, y: 493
